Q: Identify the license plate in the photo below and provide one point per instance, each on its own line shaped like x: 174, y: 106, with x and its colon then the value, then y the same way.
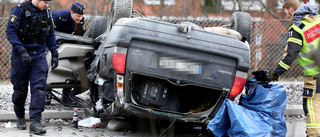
x: 180, y: 65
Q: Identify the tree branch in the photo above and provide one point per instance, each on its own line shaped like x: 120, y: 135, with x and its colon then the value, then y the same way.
x: 240, y: 5
x: 264, y: 6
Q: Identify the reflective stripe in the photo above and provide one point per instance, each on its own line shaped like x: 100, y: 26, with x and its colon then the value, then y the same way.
x: 311, y: 112
x: 295, y: 40
x: 284, y: 65
x: 309, y: 66
x: 310, y: 42
x: 311, y: 46
x: 304, y: 55
x: 313, y: 125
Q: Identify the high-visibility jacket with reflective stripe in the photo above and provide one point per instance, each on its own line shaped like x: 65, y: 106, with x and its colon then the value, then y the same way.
x: 312, y: 115
x: 310, y: 41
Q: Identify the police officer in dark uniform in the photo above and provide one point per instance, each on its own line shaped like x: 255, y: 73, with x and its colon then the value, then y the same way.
x: 30, y: 30
x: 70, y: 21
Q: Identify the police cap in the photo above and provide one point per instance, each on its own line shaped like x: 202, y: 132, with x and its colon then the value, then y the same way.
x: 78, y: 7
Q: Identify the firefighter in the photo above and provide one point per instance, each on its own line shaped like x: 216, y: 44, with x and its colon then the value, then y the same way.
x: 303, y: 38
x: 30, y: 31
x: 70, y: 21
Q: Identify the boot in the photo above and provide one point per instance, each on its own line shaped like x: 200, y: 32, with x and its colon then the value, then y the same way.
x: 21, y: 123
x: 36, y: 128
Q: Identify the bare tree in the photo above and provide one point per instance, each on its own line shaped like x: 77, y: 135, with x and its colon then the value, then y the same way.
x: 234, y: 5
x: 92, y: 4
x: 268, y: 9
x: 240, y: 5
x: 318, y: 1
x: 211, y: 6
x: 162, y: 6
x: 105, y: 7
x: 271, y: 8
x: 4, y: 4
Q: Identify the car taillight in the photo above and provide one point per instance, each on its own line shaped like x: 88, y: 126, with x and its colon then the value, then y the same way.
x: 238, y: 84
x: 120, y: 85
x: 119, y: 62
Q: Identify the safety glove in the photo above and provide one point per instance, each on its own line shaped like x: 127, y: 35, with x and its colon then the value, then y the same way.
x: 54, y: 61
x: 275, y: 77
x: 262, y: 75
x: 25, y: 57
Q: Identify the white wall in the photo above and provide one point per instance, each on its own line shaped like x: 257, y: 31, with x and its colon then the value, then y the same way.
x: 13, y: 1
x: 157, y: 2
x: 247, y: 4
x: 255, y: 5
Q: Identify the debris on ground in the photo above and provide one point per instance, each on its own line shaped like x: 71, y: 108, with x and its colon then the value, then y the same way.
x: 90, y: 122
x: 9, y: 125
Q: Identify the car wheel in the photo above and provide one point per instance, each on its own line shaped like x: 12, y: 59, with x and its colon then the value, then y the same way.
x: 241, y: 22
x: 98, y: 26
x: 119, y: 9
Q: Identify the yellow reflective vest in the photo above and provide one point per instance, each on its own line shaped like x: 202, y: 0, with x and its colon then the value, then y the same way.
x: 310, y: 41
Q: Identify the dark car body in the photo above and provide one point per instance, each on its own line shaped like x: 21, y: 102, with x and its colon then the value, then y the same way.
x: 151, y: 69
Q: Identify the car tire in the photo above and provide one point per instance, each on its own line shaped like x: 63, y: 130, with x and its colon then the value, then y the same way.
x: 119, y: 9
x: 241, y: 22
x: 98, y: 26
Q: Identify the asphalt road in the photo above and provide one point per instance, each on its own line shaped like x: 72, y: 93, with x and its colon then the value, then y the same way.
x: 59, y: 124
x: 57, y: 129
x: 141, y: 128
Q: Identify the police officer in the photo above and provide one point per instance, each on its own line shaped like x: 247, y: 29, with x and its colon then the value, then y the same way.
x: 301, y: 42
x: 30, y: 30
x: 70, y: 20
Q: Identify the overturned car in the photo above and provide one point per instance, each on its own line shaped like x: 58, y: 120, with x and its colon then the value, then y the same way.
x: 151, y: 69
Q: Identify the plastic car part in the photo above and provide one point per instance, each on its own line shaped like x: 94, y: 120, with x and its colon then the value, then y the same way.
x: 238, y: 84
x: 119, y: 62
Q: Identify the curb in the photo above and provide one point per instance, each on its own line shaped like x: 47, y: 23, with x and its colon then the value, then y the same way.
x: 293, y: 110
x: 47, y: 114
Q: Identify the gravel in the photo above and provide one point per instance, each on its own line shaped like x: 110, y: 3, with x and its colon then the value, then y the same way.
x: 6, y: 100
x: 294, y: 92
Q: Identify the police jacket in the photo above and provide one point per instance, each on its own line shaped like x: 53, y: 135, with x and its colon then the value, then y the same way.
x: 64, y: 23
x: 16, y: 29
x: 302, y: 41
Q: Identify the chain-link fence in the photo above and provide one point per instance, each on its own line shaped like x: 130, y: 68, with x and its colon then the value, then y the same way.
x: 5, y: 51
x: 267, y: 45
